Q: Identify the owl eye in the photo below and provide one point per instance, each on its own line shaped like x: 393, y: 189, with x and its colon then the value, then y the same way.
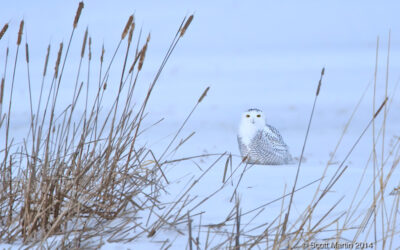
x: 247, y: 115
x: 259, y: 116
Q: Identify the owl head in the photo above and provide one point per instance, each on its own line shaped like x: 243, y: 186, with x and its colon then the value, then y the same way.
x: 253, y: 118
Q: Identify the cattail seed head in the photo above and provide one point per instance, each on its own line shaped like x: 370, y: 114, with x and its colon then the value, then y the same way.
x: 46, y: 61
x: 105, y: 86
x: 3, y: 30
x: 183, y: 30
x: 90, y: 48
x: 380, y: 108
x: 58, y: 61
x: 78, y: 14
x: 131, y: 32
x: 20, y: 32
x: 84, y: 43
x: 143, y: 53
x: 203, y: 95
x: 102, y: 54
x: 127, y: 26
x: 1, y: 90
x: 142, y: 56
x: 320, y: 81
x: 27, y: 52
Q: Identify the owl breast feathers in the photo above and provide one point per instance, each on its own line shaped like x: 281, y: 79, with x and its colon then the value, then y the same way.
x: 266, y: 147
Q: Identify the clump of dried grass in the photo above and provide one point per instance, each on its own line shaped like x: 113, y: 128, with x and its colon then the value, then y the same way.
x: 74, y: 174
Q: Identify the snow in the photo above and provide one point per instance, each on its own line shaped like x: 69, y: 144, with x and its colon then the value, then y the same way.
x: 261, y: 54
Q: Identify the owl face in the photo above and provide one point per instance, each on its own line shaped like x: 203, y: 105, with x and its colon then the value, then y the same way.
x: 253, y: 117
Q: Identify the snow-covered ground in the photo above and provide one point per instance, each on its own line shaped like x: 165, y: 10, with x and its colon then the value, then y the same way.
x: 261, y: 54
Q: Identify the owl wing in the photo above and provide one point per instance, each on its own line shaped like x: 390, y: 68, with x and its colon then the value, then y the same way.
x: 264, y: 151
x: 275, y: 138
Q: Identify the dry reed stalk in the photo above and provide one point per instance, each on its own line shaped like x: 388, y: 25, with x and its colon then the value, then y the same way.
x: 2, y: 88
x: 1, y: 91
x: 184, y: 123
x: 373, y: 132
x: 77, y: 90
x: 301, y: 155
x: 29, y: 87
x: 340, y: 140
x: 190, y: 240
x: 7, y: 146
x: 46, y: 61
x: 41, y: 92
x: 383, y: 139
x: 90, y: 49
x: 237, y: 222
x: 234, y: 193
x: 228, y: 160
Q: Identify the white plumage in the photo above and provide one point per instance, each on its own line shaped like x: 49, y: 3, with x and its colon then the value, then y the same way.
x: 260, y: 143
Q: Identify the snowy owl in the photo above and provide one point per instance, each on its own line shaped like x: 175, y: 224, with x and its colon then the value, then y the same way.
x: 260, y: 143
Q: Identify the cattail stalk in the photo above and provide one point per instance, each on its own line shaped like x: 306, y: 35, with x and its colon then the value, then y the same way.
x: 29, y: 83
x: 84, y: 43
x: 78, y: 14
x: 143, y: 53
x: 3, y: 30
x: 46, y: 61
x: 1, y: 91
x: 42, y: 84
x: 203, y: 95
x: 102, y: 54
x: 186, y: 26
x: 20, y: 32
x: 127, y: 26
x: 283, y: 233
x: 27, y: 52
x: 184, y: 123
x: 90, y: 49
x: 131, y: 32
x: 57, y: 66
x: 320, y: 80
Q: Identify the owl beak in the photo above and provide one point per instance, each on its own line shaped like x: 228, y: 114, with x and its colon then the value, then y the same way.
x: 253, y: 121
